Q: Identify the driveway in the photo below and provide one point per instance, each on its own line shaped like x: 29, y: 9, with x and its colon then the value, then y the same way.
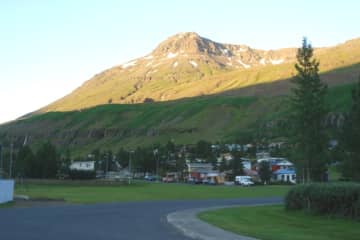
x: 128, y: 221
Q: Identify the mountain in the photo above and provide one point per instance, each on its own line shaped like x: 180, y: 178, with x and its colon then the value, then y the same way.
x: 193, y: 89
x: 188, y: 65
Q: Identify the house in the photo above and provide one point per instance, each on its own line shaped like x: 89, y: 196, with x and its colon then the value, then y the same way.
x: 83, y: 166
x: 246, y: 163
x: 214, y: 178
x: 284, y: 175
x: 198, y: 171
x: 277, y: 163
x: 227, y: 157
x: 262, y: 155
x: 253, y: 174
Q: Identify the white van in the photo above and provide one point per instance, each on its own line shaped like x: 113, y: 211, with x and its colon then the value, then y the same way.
x: 243, y: 180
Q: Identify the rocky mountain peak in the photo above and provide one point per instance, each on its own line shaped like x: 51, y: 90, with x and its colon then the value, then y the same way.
x: 187, y: 43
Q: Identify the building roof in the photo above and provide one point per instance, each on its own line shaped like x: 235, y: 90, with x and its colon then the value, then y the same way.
x: 284, y: 171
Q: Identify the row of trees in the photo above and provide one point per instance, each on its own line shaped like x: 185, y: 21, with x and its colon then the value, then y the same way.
x: 42, y: 163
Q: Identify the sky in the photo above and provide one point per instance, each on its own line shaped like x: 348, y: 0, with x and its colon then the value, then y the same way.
x: 49, y: 48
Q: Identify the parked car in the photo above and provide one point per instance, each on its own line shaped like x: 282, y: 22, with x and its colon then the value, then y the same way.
x: 170, y: 177
x: 150, y: 178
x: 194, y: 180
x: 246, y: 183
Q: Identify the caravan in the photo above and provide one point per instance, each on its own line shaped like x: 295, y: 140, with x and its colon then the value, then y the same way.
x: 243, y: 180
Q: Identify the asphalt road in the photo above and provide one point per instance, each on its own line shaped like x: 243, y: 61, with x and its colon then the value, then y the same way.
x: 128, y: 221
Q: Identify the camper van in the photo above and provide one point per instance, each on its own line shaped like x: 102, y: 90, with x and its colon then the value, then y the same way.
x: 243, y: 180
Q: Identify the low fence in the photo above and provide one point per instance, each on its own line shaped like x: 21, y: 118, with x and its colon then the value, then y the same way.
x: 92, y: 182
x: 6, y: 191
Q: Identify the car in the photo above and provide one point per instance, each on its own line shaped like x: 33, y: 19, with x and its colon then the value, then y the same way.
x: 246, y: 183
x: 194, y: 180
x: 150, y: 178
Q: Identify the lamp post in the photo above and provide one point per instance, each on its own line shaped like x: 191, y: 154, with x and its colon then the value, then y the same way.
x: 130, y: 166
x: 11, y: 160
x: 157, y: 163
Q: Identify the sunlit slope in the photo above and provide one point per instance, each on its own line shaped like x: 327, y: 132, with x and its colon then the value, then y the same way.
x: 187, y: 65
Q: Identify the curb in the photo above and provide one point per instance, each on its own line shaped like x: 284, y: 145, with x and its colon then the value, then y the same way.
x: 21, y: 197
x: 191, y: 226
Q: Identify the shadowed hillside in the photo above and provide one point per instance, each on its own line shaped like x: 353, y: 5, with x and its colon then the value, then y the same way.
x: 214, y: 118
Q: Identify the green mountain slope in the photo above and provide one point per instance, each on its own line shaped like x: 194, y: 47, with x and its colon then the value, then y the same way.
x: 110, y: 126
x: 187, y: 65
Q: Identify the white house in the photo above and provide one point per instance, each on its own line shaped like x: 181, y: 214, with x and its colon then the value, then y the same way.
x: 285, y: 175
x: 83, y: 166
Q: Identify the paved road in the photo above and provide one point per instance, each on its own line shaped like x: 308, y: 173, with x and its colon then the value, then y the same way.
x: 128, y: 221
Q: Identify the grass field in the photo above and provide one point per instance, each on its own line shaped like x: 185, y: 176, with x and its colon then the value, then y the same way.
x: 143, y: 191
x: 273, y: 222
x: 6, y: 205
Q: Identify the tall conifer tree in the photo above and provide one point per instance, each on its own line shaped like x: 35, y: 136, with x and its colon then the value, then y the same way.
x: 308, y: 110
x: 351, y: 138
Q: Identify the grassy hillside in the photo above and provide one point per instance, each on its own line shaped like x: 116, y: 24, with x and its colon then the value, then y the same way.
x: 213, y: 118
x: 198, y: 67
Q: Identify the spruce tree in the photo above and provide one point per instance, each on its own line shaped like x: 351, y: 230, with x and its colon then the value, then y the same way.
x: 351, y: 138
x: 308, y: 110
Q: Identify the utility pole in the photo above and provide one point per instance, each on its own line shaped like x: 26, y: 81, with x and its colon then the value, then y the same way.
x: 106, y: 163
x: 157, y: 164
x: 130, y: 166
x: 11, y: 160
x: 1, y: 164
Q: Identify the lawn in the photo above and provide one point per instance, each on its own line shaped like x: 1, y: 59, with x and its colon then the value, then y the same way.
x: 273, y: 222
x: 142, y: 191
x: 6, y: 205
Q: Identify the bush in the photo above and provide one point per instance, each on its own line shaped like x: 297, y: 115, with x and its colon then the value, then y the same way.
x: 78, y: 174
x: 339, y: 199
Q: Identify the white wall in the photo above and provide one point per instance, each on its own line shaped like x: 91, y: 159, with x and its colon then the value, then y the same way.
x: 86, y: 166
x: 6, y: 190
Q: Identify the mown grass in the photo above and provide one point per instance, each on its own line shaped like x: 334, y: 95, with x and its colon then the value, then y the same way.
x: 274, y: 223
x: 142, y: 191
x: 7, y: 205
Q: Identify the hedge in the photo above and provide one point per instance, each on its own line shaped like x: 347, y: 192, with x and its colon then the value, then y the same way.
x: 338, y: 199
x: 81, y: 174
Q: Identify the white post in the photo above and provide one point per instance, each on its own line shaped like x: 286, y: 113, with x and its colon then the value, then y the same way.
x: 11, y: 160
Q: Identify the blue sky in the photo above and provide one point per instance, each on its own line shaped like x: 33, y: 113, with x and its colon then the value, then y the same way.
x: 48, y: 48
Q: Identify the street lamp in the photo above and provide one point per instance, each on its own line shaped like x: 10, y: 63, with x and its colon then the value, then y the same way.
x: 130, y: 166
x: 157, y: 163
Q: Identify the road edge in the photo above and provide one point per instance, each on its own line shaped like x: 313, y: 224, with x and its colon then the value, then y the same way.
x: 187, y: 222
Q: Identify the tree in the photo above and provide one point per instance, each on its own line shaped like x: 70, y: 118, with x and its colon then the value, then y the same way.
x: 236, y: 165
x: 24, y: 160
x: 47, y: 161
x: 203, y: 149
x: 307, y: 114
x: 265, y: 172
x: 351, y: 137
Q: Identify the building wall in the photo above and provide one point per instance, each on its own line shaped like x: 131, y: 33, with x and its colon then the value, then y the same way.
x: 6, y: 190
x: 86, y: 166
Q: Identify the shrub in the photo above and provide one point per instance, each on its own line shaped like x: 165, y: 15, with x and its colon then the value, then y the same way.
x: 81, y: 174
x: 339, y: 199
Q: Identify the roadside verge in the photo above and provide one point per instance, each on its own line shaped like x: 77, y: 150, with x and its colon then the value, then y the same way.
x: 191, y: 226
